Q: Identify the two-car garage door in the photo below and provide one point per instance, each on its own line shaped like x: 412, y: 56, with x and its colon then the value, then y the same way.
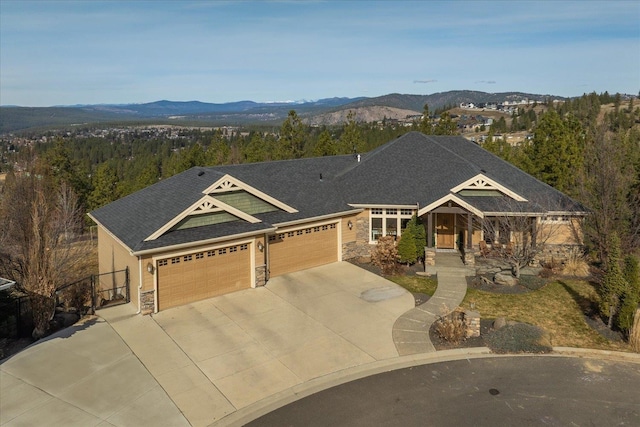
x: 192, y: 277
x: 303, y: 248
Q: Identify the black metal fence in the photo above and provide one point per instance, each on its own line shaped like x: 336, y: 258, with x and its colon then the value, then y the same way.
x: 16, y: 320
x: 82, y: 296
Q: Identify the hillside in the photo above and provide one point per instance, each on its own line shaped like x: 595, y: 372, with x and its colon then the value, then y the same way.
x: 362, y: 114
x: 322, y: 112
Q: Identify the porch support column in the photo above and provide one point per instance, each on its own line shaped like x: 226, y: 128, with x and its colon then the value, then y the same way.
x: 430, y: 230
x: 430, y: 251
x: 469, y: 255
x: 534, y: 231
x: 469, y: 231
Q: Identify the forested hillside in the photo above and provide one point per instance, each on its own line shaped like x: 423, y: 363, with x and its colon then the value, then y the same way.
x: 588, y: 147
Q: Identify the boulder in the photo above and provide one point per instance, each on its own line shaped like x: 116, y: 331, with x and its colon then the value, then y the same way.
x: 505, y: 279
x: 500, y: 322
x: 66, y: 319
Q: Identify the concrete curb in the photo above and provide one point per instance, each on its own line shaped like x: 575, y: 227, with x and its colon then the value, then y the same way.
x: 271, y: 403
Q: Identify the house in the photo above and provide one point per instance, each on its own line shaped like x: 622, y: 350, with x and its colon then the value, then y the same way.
x: 214, y: 230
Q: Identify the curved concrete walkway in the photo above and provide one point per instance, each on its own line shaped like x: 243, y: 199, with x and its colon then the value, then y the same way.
x: 411, y: 330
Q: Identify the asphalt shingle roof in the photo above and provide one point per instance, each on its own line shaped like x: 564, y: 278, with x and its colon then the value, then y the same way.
x: 413, y: 169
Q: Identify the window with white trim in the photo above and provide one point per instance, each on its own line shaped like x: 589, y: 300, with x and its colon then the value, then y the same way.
x: 388, y: 222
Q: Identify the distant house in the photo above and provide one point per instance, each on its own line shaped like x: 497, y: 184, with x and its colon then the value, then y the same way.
x: 214, y: 230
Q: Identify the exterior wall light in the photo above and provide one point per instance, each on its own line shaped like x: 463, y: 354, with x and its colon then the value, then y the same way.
x: 150, y: 268
x: 350, y: 224
x: 260, y: 246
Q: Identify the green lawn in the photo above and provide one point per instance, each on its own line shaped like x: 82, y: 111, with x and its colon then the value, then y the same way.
x: 557, y: 307
x: 416, y: 284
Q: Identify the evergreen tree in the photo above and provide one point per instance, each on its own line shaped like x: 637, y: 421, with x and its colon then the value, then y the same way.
x: 63, y: 168
x: 425, y: 123
x: 419, y: 235
x: 105, y: 186
x: 445, y: 126
x: 255, y: 151
x: 218, y: 152
x: 292, y: 137
x: 326, y: 146
x: 407, y: 247
x: 613, y: 284
x: 631, y: 295
x: 351, y: 141
x: 556, y: 151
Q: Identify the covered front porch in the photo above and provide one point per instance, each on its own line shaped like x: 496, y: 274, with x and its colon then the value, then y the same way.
x: 452, y: 227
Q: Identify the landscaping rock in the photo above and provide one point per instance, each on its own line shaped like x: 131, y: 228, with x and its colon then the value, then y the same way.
x: 486, y: 281
x: 505, y: 279
x: 66, y: 319
x: 500, y: 322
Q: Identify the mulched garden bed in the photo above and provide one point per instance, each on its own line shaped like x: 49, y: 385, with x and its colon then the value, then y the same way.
x: 526, y: 284
x: 441, y: 344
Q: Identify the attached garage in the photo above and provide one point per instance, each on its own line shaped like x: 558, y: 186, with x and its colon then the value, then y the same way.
x: 192, y: 277
x: 303, y: 248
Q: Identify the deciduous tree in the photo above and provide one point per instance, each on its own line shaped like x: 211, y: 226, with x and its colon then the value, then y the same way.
x: 39, y: 221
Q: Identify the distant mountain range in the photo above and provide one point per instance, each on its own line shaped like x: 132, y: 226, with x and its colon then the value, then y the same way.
x: 196, y: 113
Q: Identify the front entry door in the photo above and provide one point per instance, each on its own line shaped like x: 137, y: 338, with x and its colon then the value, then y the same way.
x: 445, y: 223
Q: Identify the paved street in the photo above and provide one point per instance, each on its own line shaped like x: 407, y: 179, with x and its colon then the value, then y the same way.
x: 497, y: 391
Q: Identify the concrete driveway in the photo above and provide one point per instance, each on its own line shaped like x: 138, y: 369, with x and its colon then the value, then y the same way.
x: 218, y: 356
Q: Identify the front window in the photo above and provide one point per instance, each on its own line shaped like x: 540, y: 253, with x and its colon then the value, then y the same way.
x: 376, y: 228
x: 388, y: 222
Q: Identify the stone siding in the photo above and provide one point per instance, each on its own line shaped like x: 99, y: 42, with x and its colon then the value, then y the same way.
x: 361, y: 247
x: 147, y: 301
x: 261, y: 275
x: 557, y: 253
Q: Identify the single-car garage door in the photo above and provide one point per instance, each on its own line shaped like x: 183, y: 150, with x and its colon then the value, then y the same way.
x: 304, y: 248
x: 193, y: 277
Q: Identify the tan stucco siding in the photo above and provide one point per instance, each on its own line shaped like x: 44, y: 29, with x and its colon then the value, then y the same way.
x: 113, y: 256
x: 349, y: 235
x: 561, y: 233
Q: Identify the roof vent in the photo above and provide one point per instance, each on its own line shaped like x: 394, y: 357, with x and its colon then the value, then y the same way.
x: 320, y: 177
x: 358, y: 157
x: 200, y: 173
x: 483, y: 171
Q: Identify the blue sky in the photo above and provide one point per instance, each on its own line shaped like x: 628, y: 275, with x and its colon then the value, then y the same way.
x: 90, y: 52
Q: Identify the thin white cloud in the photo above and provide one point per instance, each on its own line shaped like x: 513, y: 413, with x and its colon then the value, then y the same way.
x: 426, y: 81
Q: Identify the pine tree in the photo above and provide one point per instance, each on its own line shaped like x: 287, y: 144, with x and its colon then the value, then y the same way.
x: 425, y: 123
x: 351, y: 141
x: 556, y: 151
x: 326, y: 146
x: 105, y: 186
x: 445, y: 126
x: 292, y: 136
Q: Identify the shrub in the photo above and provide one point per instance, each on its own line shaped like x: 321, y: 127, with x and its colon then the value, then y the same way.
x: 631, y: 294
x: 519, y: 338
x: 576, y: 265
x: 407, y: 247
x: 634, y: 335
x: 385, y: 255
x: 77, y: 298
x: 450, y: 326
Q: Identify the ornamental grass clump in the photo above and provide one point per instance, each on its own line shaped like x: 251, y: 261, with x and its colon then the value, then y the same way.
x: 519, y: 338
x: 450, y: 326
